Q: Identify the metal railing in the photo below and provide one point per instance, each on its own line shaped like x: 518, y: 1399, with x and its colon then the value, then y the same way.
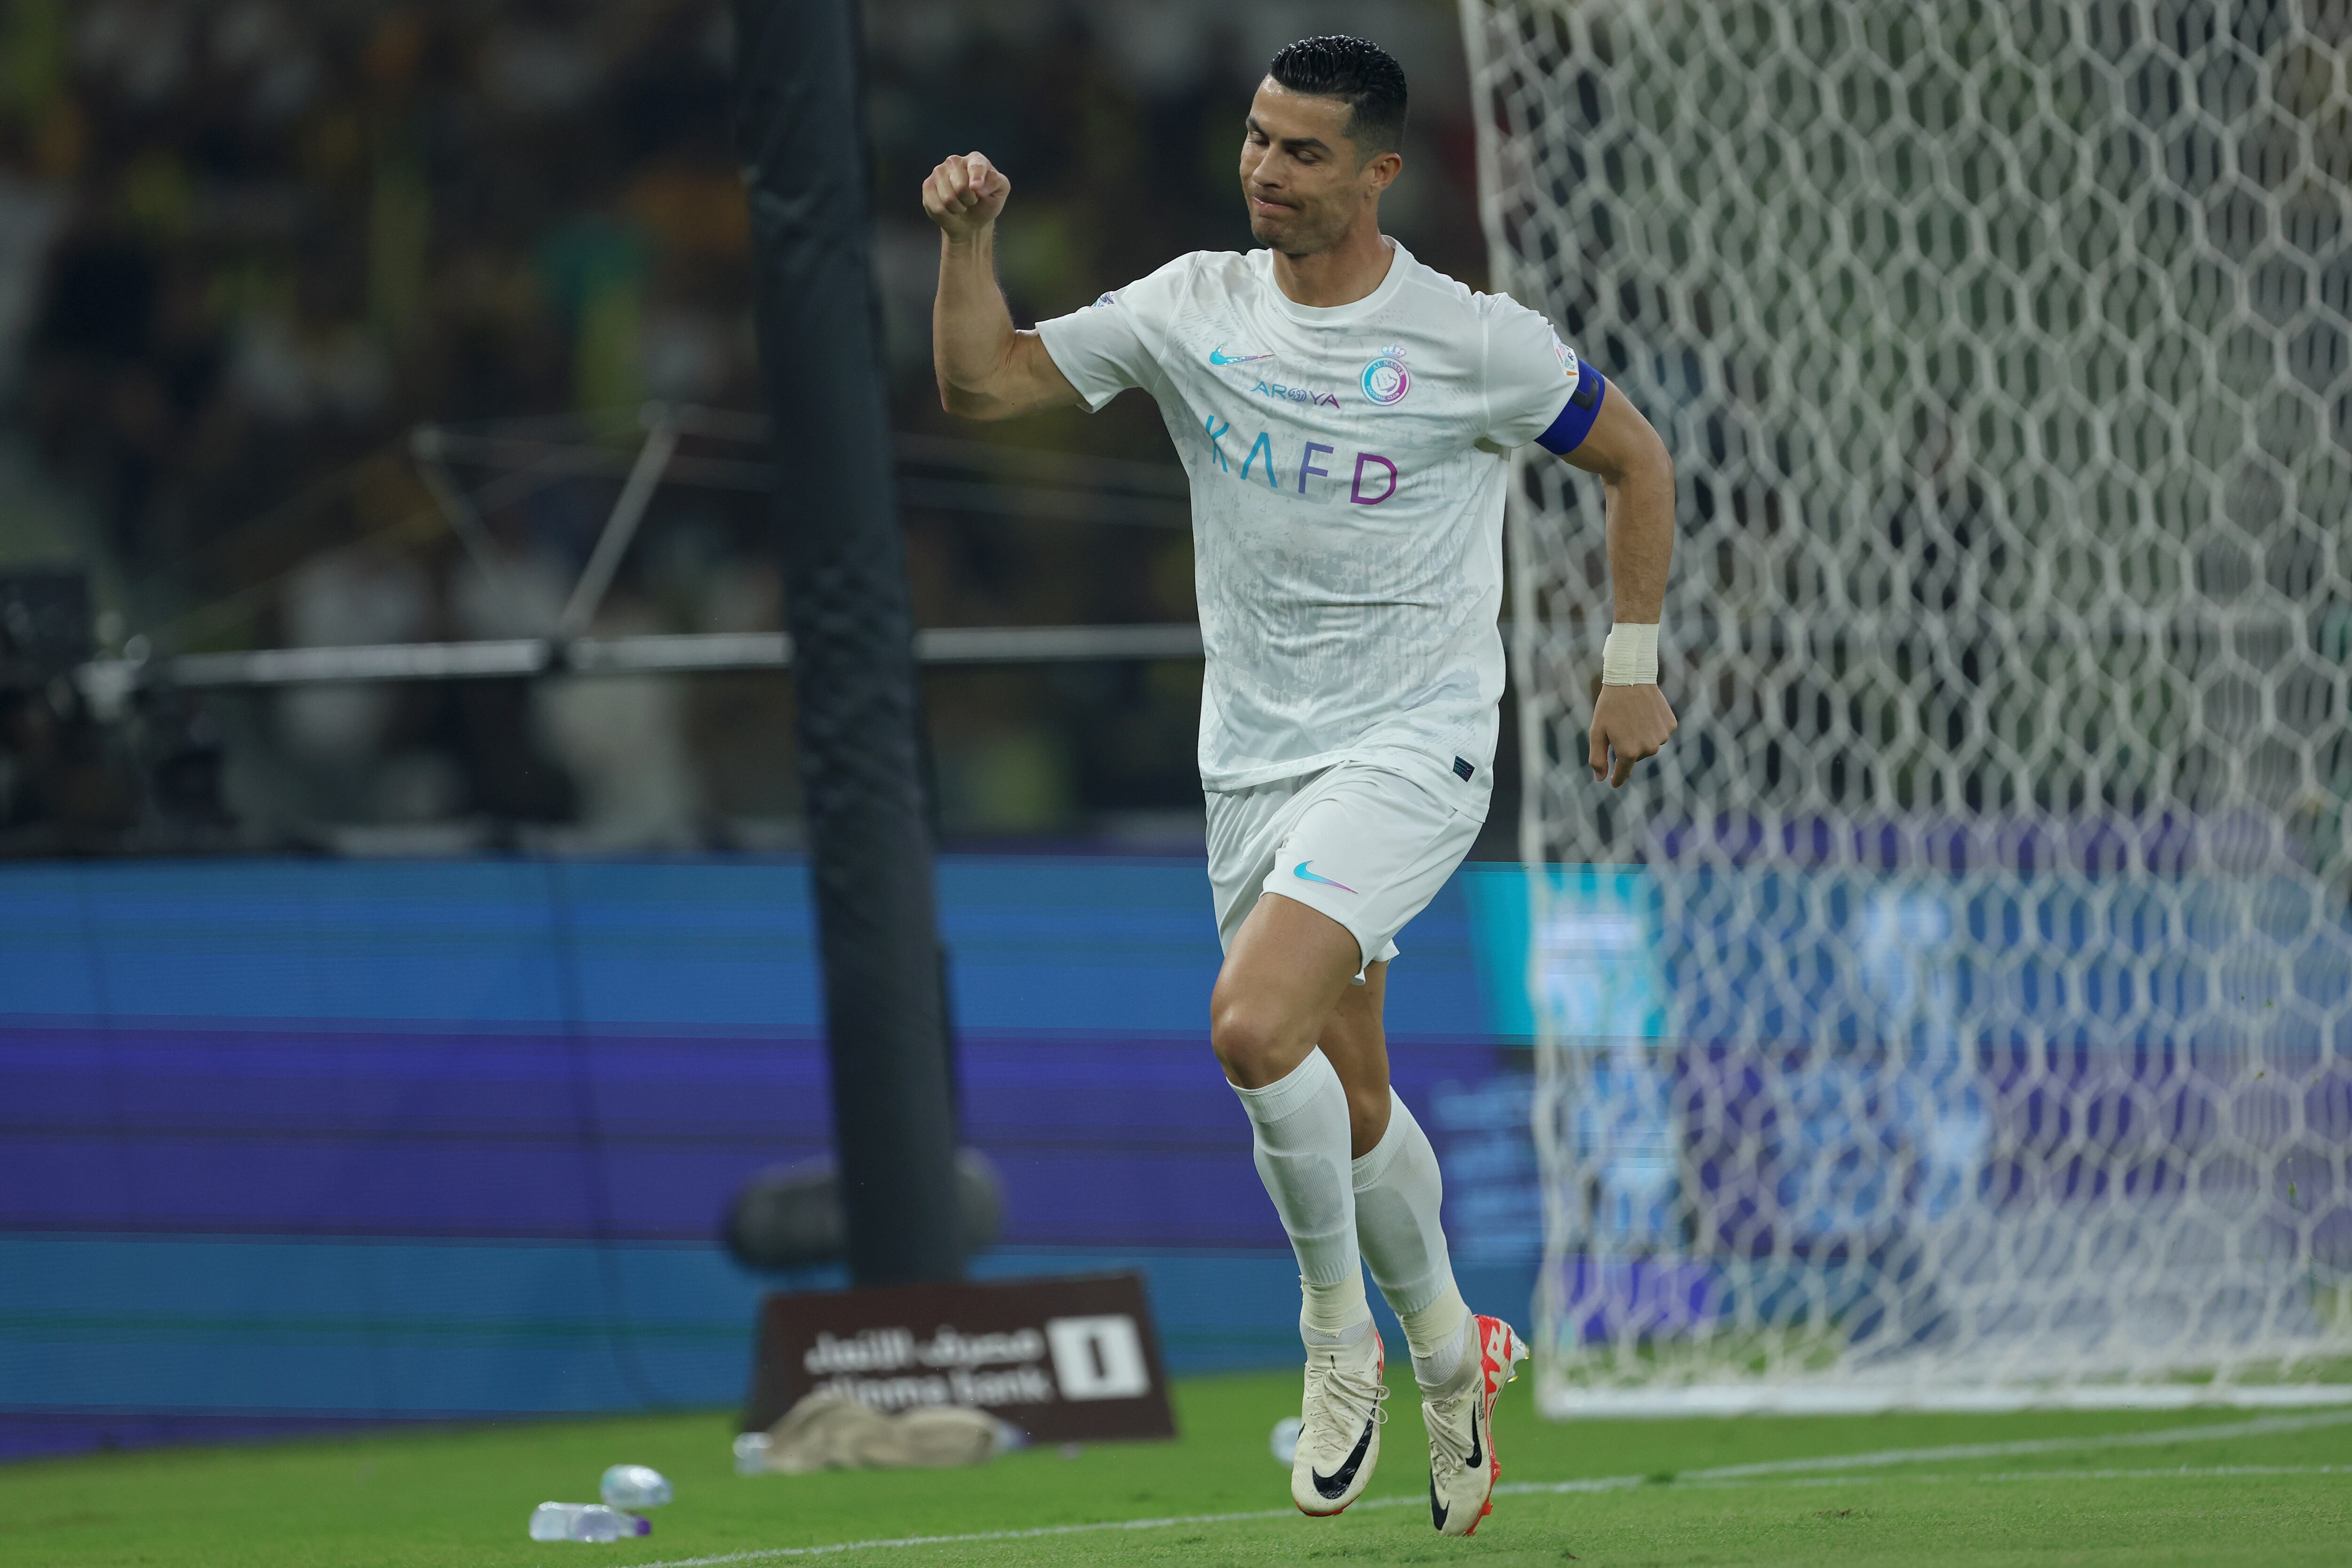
x: 507, y: 658
x: 1022, y: 482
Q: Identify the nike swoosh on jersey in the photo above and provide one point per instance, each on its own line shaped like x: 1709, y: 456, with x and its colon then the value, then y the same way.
x: 1219, y: 356
x: 1336, y: 1481
x: 1304, y: 875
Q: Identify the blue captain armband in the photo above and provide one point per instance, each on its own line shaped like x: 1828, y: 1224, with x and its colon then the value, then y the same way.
x: 1575, y: 421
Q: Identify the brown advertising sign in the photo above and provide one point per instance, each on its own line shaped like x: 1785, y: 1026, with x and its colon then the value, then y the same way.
x: 1067, y: 1359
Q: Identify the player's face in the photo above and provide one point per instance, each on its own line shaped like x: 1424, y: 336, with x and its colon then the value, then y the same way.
x: 1300, y: 174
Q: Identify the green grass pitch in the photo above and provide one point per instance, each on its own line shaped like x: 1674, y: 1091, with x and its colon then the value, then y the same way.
x: 2126, y: 1488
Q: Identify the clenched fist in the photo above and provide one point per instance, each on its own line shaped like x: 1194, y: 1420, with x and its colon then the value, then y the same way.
x: 1629, y: 723
x: 965, y: 194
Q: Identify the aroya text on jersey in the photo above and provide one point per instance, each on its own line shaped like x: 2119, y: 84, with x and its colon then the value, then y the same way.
x: 1369, y: 479
x: 1307, y: 395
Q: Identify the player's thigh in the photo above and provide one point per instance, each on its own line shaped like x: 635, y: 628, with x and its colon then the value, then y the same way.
x: 1245, y: 834
x: 1282, y: 976
x: 1369, y: 845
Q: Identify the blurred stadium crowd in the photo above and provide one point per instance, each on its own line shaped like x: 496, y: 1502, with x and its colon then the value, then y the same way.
x: 247, y: 247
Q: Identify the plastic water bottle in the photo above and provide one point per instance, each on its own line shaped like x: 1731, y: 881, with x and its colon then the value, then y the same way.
x: 751, y: 1454
x: 635, y: 1486
x: 1284, y: 1441
x: 585, y: 1522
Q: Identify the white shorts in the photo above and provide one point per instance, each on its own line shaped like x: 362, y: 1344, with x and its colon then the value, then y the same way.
x: 1368, y: 843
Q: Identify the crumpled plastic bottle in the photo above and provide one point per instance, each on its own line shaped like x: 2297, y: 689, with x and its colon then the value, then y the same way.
x: 585, y: 1522
x: 635, y: 1486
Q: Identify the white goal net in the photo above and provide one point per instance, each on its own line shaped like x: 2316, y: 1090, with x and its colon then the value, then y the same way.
x: 1960, y: 1012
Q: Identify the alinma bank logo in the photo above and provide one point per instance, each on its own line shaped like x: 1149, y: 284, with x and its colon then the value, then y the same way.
x: 1386, y: 380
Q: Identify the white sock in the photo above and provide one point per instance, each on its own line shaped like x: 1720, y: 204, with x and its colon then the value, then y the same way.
x: 1298, y: 1127
x: 1318, y: 1339
x: 1447, y: 1361
x: 1398, y: 1193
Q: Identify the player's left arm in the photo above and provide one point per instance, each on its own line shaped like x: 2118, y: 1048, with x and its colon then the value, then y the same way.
x: 1630, y: 717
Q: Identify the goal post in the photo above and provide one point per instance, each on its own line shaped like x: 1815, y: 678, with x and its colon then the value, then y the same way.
x: 1958, y: 1013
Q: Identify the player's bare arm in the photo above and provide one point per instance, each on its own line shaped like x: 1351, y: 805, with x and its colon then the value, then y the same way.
x: 1637, y: 481
x: 986, y: 369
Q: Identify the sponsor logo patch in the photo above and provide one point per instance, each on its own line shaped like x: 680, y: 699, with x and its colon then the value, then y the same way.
x: 1305, y: 394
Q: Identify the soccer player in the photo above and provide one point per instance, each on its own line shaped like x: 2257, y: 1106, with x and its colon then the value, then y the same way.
x: 1344, y: 414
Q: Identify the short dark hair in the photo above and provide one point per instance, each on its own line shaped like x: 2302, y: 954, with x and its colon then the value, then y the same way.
x: 1366, y: 75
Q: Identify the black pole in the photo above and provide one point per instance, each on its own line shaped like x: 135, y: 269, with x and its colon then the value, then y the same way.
x: 799, y: 127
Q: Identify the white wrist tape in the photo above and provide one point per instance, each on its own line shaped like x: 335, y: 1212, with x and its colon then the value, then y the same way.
x: 1630, y: 656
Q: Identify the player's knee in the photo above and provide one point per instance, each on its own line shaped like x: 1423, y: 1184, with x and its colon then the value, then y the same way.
x: 1249, y: 1048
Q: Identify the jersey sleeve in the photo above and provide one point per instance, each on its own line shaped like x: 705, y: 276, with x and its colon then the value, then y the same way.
x: 1115, y: 342
x: 1538, y: 388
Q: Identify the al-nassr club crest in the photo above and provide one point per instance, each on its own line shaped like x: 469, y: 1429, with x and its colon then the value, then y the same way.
x: 1386, y: 380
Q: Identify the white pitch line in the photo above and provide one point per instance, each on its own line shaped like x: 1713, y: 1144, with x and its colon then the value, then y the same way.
x: 2175, y: 1472
x: 2261, y: 1427
x: 1714, y: 1476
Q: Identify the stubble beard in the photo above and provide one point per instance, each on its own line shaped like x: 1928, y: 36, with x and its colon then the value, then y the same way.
x: 1298, y: 238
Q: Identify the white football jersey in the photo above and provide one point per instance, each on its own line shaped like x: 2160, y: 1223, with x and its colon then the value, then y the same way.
x: 1347, y: 474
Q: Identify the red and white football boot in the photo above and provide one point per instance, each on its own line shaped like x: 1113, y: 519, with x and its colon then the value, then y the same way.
x: 1463, y: 1466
